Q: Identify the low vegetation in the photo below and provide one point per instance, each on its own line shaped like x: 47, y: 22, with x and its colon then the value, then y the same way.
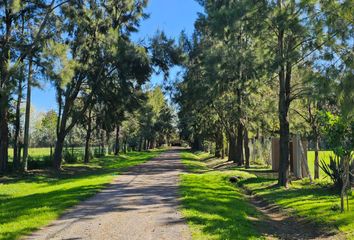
x: 213, y: 207
x: 205, y: 192
x: 30, y: 201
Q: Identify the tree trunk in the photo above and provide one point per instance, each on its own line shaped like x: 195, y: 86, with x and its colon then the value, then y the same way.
x: 283, y: 108
x: 87, y: 146
x: 88, y: 138
x: 27, y: 117
x: 140, y: 144
x: 232, y: 149
x: 125, y: 146
x: 17, y: 154
x: 218, y: 144
x: 197, y: 144
x: 4, y: 132
x: 58, y: 151
x: 239, y: 145
x: 108, y: 137
x: 116, y: 146
x: 51, y: 152
x: 317, y: 164
x: 247, y: 149
x: 223, y: 149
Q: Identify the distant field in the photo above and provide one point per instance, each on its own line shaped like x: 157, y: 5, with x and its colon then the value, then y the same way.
x: 38, y: 152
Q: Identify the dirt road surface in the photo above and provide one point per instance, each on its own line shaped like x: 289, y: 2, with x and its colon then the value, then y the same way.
x: 140, y: 204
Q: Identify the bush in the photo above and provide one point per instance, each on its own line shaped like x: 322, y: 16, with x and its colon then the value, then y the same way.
x: 99, y: 152
x: 39, y: 162
x: 335, y: 171
x: 69, y: 157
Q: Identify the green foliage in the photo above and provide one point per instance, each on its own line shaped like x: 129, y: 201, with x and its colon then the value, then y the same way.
x: 70, y: 157
x: 339, y: 133
x: 333, y: 170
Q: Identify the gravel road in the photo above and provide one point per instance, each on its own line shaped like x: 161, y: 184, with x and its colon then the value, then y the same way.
x: 140, y: 204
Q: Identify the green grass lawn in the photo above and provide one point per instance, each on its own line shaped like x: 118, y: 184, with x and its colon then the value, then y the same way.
x: 314, y: 202
x: 30, y: 201
x: 216, y: 210
x: 213, y: 207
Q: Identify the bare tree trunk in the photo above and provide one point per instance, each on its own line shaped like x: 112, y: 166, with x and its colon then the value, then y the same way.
x: 116, y: 149
x: 4, y: 132
x: 58, y: 151
x: 317, y: 161
x: 232, y: 148
x: 283, y: 108
x: 218, y: 143
x: 125, y: 146
x: 27, y: 116
x: 247, y: 149
x: 140, y: 144
x: 239, y: 145
x: 223, y: 148
x: 17, y: 154
x: 88, y: 137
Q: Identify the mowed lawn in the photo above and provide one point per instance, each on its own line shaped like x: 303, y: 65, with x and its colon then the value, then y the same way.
x: 216, y: 209
x: 213, y: 207
x: 318, y: 202
x: 30, y: 201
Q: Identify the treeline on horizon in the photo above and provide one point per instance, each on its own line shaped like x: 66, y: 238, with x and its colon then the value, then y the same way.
x: 84, y: 50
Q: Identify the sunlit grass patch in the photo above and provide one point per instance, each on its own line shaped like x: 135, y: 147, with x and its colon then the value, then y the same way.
x: 30, y: 201
x: 318, y: 202
x: 213, y: 207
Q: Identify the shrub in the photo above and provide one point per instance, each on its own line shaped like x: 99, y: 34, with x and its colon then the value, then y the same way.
x: 70, y: 157
x: 334, y: 170
x: 39, y: 162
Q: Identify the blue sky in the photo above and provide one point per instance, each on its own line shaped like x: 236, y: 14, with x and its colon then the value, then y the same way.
x: 170, y: 16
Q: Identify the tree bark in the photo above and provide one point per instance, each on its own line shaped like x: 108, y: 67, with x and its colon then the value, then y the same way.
x: 317, y: 161
x: 88, y: 138
x: 239, y: 145
x: 247, y: 149
x: 140, y: 144
x: 27, y: 116
x: 232, y: 149
x: 58, y: 151
x: 116, y: 146
x: 283, y: 108
x: 17, y: 153
x: 218, y: 144
x: 4, y: 132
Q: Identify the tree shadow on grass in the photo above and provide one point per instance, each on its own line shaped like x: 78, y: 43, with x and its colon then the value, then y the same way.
x: 32, y: 208
x: 311, y: 202
x: 211, y: 205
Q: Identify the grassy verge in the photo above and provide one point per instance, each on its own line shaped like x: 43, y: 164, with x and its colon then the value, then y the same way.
x: 317, y: 203
x: 214, y: 208
x: 30, y: 201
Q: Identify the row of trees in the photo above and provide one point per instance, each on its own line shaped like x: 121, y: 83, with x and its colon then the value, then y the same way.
x: 148, y: 126
x: 83, y: 48
x: 267, y: 68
